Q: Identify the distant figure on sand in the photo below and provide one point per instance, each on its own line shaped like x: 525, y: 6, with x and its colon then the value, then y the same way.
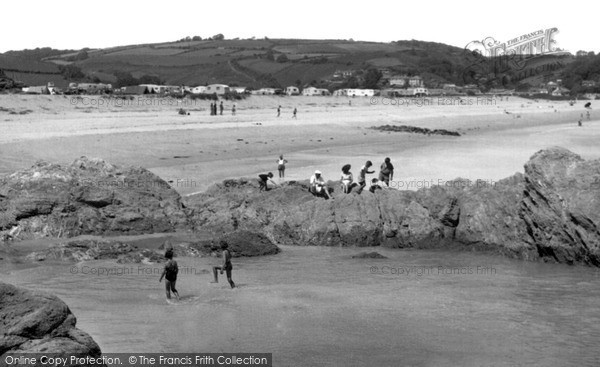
x: 587, y: 113
x: 347, y: 179
x: 279, y: 111
x: 233, y: 110
x: 362, y: 180
x: 295, y: 112
x: 221, y: 108
x: 262, y: 181
x: 386, y: 172
x: 281, y: 166
x: 212, y: 109
x: 227, y: 267
x: 170, y: 273
x: 579, y: 123
x: 318, y: 186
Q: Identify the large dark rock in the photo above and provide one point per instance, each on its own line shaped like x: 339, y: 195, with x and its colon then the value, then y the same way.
x: 34, y: 322
x: 561, y: 206
x: 89, y: 196
x: 552, y: 212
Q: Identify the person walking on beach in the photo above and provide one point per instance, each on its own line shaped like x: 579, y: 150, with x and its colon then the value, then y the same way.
x: 226, y: 267
x: 215, y: 109
x: 362, y: 179
x: 170, y: 274
x: 386, y: 172
x: 233, y: 110
x: 263, y: 179
x: 221, y: 108
x: 211, y: 109
x: 587, y: 113
x: 281, y: 166
x: 295, y: 112
x: 279, y: 111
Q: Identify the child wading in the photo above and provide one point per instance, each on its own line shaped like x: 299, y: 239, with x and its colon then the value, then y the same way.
x: 227, y: 267
x: 170, y: 274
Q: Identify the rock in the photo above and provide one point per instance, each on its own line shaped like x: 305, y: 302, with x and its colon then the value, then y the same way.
x: 561, y: 206
x: 89, y: 196
x: 369, y: 255
x: 34, y: 321
x: 552, y: 212
x: 414, y: 130
x: 241, y: 243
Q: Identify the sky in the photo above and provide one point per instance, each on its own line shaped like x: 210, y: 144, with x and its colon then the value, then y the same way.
x: 99, y: 24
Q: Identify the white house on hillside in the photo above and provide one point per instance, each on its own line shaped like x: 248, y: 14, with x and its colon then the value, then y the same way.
x: 312, y: 91
x: 292, y: 91
x: 199, y: 89
x: 217, y: 88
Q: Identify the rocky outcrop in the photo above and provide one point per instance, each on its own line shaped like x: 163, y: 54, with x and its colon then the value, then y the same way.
x: 34, y: 322
x: 89, y: 196
x: 414, y: 130
x: 561, y: 206
x: 551, y: 212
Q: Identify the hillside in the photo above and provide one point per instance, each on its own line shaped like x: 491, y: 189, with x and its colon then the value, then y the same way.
x: 252, y: 62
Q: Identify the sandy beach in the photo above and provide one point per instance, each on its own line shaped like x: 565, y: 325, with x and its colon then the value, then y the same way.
x: 196, y: 150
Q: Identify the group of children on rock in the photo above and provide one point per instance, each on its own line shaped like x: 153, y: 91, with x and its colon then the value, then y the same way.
x: 318, y: 186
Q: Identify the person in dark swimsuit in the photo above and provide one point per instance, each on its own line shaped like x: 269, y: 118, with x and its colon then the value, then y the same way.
x: 227, y: 267
x: 170, y: 274
x: 263, y: 178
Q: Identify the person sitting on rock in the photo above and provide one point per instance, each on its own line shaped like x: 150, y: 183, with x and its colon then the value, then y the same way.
x: 318, y: 186
x: 347, y: 179
x: 377, y: 185
x: 170, y: 274
x: 262, y: 181
x: 227, y: 266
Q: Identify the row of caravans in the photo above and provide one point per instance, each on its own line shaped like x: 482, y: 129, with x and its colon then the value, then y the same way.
x: 221, y: 89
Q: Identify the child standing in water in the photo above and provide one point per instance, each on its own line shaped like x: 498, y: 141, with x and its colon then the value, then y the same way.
x: 170, y: 274
x: 227, y: 267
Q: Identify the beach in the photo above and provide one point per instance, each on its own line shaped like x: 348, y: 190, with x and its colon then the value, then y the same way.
x: 316, y: 305
x: 194, y: 151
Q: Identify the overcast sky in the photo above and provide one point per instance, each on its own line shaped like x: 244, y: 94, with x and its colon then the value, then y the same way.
x: 78, y: 24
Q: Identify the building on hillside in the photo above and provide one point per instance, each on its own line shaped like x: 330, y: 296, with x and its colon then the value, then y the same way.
x: 239, y: 90
x: 398, y: 81
x: 134, y: 90
x: 408, y: 81
x: 449, y: 88
x: 38, y: 89
x: 89, y: 88
x: 292, y: 91
x: 218, y: 89
x: 312, y: 91
x: 588, y: 83
x: 267, y: 91
x: 354, y: 92
x: 201, y: 89
x: 561, y: 91
x: 343, y: 74
x: 537, y: 91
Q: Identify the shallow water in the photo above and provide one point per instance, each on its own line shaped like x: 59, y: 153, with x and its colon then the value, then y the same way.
x: 318, y: 306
